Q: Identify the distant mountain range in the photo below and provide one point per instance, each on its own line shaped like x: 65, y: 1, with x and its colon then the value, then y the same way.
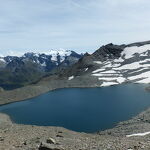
x: 19, y: 71
x: 109, y: 65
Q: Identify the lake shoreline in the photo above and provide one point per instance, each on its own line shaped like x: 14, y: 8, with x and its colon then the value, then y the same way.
x: 47, y: 85
x: 33, y: 136
x: 44, y: 86
x: 71, y: 95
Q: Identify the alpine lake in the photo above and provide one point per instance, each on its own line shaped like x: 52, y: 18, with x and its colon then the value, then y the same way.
x: 81, y: 109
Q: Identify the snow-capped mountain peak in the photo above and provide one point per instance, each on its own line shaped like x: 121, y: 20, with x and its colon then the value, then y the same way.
x: 48, y: 60
x: 55, y: 53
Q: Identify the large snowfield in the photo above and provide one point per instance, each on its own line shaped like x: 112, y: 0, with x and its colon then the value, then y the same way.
x: 129, y: 67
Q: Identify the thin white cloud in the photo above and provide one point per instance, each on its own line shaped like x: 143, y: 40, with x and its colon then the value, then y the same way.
x: 71, y: 24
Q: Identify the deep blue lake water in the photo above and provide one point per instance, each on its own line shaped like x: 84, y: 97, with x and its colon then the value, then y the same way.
x: 86, y: 110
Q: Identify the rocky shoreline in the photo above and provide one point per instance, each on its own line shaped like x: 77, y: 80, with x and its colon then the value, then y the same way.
x: 28, y: 137
x: 25, y: 137
x: 48, y: 84
x: 45, y: 85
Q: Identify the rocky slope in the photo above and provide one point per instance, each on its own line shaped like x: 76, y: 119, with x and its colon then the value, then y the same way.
x: 115, y: 64
x: 129, y: 135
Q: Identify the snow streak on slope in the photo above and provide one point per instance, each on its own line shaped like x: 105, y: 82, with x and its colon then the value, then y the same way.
x: 70, y: 78
x: 138, y: 134
x: 132, y: 66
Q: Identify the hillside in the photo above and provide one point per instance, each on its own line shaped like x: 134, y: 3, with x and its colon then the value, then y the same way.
x: 114, y: 64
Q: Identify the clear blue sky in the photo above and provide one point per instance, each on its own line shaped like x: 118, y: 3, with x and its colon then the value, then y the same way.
x: 81, y: 25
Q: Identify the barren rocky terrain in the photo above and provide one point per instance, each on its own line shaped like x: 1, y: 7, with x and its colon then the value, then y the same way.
x: 27, y: 137
x: 45, y: 85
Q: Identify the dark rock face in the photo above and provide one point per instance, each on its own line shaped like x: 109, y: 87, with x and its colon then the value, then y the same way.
x: 86, y: 62
x: 42, y: 60
x: 104, y: 53
x: 8, y: 59
x: 109, y: 51
x: 15, y: 64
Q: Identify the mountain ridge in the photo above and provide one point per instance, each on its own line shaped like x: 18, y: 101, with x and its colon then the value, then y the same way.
x: 90, y: 71
x: 111, y: 64
x: 30, y: 67
x: 115, y: 64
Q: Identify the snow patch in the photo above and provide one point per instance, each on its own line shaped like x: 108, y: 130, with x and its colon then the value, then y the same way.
x: 108, y: 83
x: 121, y: 79
x: 138, y: 134
x: 71, y: 77
x: 118, y: 60
x: 130, y: 51
x: 98, y: 62
x: 98, y: 70
x: 62, y: 53
x: 86, y: 69
x: 109, y: 71
x: 134, y: 65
